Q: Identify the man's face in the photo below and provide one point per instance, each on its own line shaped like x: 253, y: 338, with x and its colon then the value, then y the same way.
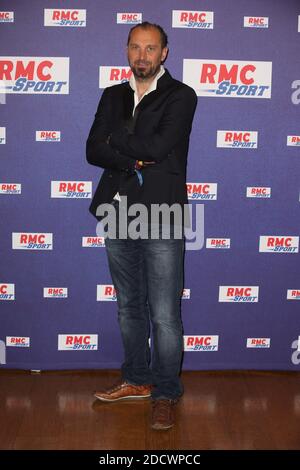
x: 145, y: 53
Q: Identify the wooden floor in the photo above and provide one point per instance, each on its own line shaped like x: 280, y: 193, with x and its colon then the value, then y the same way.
x: 219, y: 410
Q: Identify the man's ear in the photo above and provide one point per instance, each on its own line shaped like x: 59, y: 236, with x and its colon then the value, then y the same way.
x: 164, y: 54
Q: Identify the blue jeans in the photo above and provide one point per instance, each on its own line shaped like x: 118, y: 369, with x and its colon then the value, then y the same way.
x: 148, y: 278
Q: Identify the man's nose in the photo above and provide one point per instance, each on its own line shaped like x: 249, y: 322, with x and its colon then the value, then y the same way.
x: 143, y: 54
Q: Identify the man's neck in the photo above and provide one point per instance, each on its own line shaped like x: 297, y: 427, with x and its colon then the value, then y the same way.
x: 142, y: 85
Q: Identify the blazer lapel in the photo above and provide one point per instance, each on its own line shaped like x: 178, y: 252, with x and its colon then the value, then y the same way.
x: 163, y: 83
x: 128, y: 102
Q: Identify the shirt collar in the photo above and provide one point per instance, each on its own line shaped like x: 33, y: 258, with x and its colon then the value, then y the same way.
x: 153, y: 84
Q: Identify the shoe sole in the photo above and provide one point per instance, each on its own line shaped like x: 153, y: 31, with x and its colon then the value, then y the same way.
x: 130, y: 397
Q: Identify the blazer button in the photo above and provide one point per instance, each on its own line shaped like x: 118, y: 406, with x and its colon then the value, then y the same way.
x: 110, y: 175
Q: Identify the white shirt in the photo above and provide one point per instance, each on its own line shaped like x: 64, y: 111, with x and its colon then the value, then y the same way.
x: 152, y: 87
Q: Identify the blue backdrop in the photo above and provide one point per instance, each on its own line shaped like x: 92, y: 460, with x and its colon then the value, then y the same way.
x: 242, y: 288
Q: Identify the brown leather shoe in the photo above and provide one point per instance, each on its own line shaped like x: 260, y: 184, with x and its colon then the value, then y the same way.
x: 122, y: 390
x: 163, y: 415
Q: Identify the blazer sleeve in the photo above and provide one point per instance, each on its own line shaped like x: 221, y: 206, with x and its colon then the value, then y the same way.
x: 174, y: 125
x: 98, y: 151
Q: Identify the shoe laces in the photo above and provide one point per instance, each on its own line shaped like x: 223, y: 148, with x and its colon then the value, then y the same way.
x: 117, y: 385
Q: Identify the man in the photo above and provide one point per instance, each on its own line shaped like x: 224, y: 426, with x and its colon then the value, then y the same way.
x: 140, y: 136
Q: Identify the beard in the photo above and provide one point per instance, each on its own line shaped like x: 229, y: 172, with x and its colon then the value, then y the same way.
x: 144, y: 70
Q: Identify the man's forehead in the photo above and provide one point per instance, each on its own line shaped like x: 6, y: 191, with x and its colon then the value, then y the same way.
x: 149, y: 35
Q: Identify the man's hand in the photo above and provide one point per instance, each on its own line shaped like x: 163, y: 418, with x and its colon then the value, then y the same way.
x: 139, y: 164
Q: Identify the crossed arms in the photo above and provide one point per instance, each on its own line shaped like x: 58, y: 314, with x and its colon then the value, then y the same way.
x: 122, y: 149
